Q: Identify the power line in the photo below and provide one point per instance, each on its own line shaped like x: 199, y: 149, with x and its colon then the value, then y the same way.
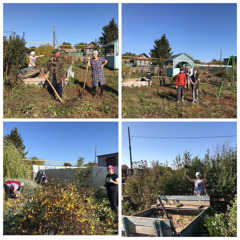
x: 184, y: 137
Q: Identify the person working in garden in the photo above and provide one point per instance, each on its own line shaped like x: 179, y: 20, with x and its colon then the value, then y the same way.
x: 32, y: 59
x: 56, y: 73
x: 97, y: 63
x: 12, y: 189
x: 162, y: 73
x: 194, y: 80
x: 112, y: 188
x: 180, y: 85
x: 199, y: 184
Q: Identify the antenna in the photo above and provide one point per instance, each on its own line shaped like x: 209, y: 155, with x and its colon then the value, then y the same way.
x: 221, y: 55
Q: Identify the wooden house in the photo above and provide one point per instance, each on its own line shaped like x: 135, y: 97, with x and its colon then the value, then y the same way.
x: 141, y: 60
x: 88, y: 50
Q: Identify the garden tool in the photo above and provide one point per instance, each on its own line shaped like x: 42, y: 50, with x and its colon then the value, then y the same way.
x: 85, y: 80
x: 60, y: 99
x: 166, y: 215
x: 186, y: 167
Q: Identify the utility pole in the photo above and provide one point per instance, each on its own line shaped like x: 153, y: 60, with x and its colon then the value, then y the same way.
x: 95, y: 155
x: 221, y: 55
x: 54, y: 36
x: 130, y: 148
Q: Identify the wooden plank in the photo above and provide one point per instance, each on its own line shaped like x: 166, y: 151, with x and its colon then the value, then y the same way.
x: 184, y: 198
x: 181, y: 208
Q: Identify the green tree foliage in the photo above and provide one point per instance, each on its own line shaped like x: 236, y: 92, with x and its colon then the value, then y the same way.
x: 129, y: 54
x: 222, y: 224
x: 80, y: 45
x: 13, y: 166
x: 161, y: 50
x: 16, y: 139
x: 14, y: 56
x: 67, y: 164
x: 110, y: 33
x: 45, y: 50
x: 34, y: 161
x: 83, y: 173
x: 219, y: 172
x: 66, y: 45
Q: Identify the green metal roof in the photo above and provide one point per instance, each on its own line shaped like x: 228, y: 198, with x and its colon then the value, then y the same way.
x: 175, y: 56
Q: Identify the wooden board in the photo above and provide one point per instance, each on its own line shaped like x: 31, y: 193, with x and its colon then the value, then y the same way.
x: 185, y: 200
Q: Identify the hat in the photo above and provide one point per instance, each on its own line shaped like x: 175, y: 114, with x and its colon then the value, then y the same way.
x: 181, y: 69
x: 186, y: 65
x: 21, y: 184
x: 56, y: 50
x: 32, y: 53
x: 198, y: 174
x: 110, y: 166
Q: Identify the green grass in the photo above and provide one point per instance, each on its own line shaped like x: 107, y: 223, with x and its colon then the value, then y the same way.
x: 30, y: 101
x: 161, y: 102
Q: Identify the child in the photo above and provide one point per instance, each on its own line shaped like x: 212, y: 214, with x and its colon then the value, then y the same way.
x: 194, y: 80
x: 180, y: 85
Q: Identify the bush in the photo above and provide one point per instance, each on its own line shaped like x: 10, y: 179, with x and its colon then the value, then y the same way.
x: 61, y: 210
x: 219, y: 172
x: 45, y: 50
x: 222, y: 224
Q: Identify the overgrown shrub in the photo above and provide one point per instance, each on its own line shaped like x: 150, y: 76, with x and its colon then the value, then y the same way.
x: 219, y: 171
x: 45, y: 50
x: 222, y: 224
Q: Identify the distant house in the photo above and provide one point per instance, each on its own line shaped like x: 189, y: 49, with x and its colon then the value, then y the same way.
x: 141, y: 60
x: 177, y: 61
x: 88, y: 50
x: 108, y: 159
x: 111, y: 54
x: 225, y: 60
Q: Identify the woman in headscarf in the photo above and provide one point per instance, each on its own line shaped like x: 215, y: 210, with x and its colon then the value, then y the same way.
x: 32, y: 59
x: 97, y: 63
x: 112, y: 188
x: 199, y: 184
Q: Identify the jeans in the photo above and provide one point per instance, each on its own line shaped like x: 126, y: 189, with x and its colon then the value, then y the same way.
x: 180, y: 92
x: 57, y: 86
x: 194, y: 94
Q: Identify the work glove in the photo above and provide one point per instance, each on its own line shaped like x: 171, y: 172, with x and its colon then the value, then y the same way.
x: 111, y: 181
x: 176, y: 87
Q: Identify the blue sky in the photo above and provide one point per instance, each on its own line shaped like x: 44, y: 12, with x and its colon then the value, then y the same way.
x: 200, y: 30
x: 167, y: 150
x: 74, y: 23
x: 61, y: 141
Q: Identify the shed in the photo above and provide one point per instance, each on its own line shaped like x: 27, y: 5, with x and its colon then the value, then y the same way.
x: 111, y: 54
x: 141, y: 60
x: 177, y: 61
x: 108, y: 159
x: 225, y: 60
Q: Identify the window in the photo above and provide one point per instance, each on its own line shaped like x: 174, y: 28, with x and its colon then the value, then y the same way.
x: 146, y: 62
x: 138, y: 62
x: 142, y: 62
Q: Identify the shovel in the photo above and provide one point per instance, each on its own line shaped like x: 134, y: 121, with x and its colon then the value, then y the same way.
x: 166, y: 215
x: 60, y: 99
x: 84, y: 85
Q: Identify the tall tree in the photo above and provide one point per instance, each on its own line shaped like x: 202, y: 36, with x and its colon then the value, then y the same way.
x: 161, y: 50
x: 66, y: 164
x: 16, y: 139
x: 110, y: 33
x: 14, y: 56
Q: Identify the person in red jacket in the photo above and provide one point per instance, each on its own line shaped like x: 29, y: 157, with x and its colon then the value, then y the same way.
x: 11, y: 188
x: 180, y: 85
